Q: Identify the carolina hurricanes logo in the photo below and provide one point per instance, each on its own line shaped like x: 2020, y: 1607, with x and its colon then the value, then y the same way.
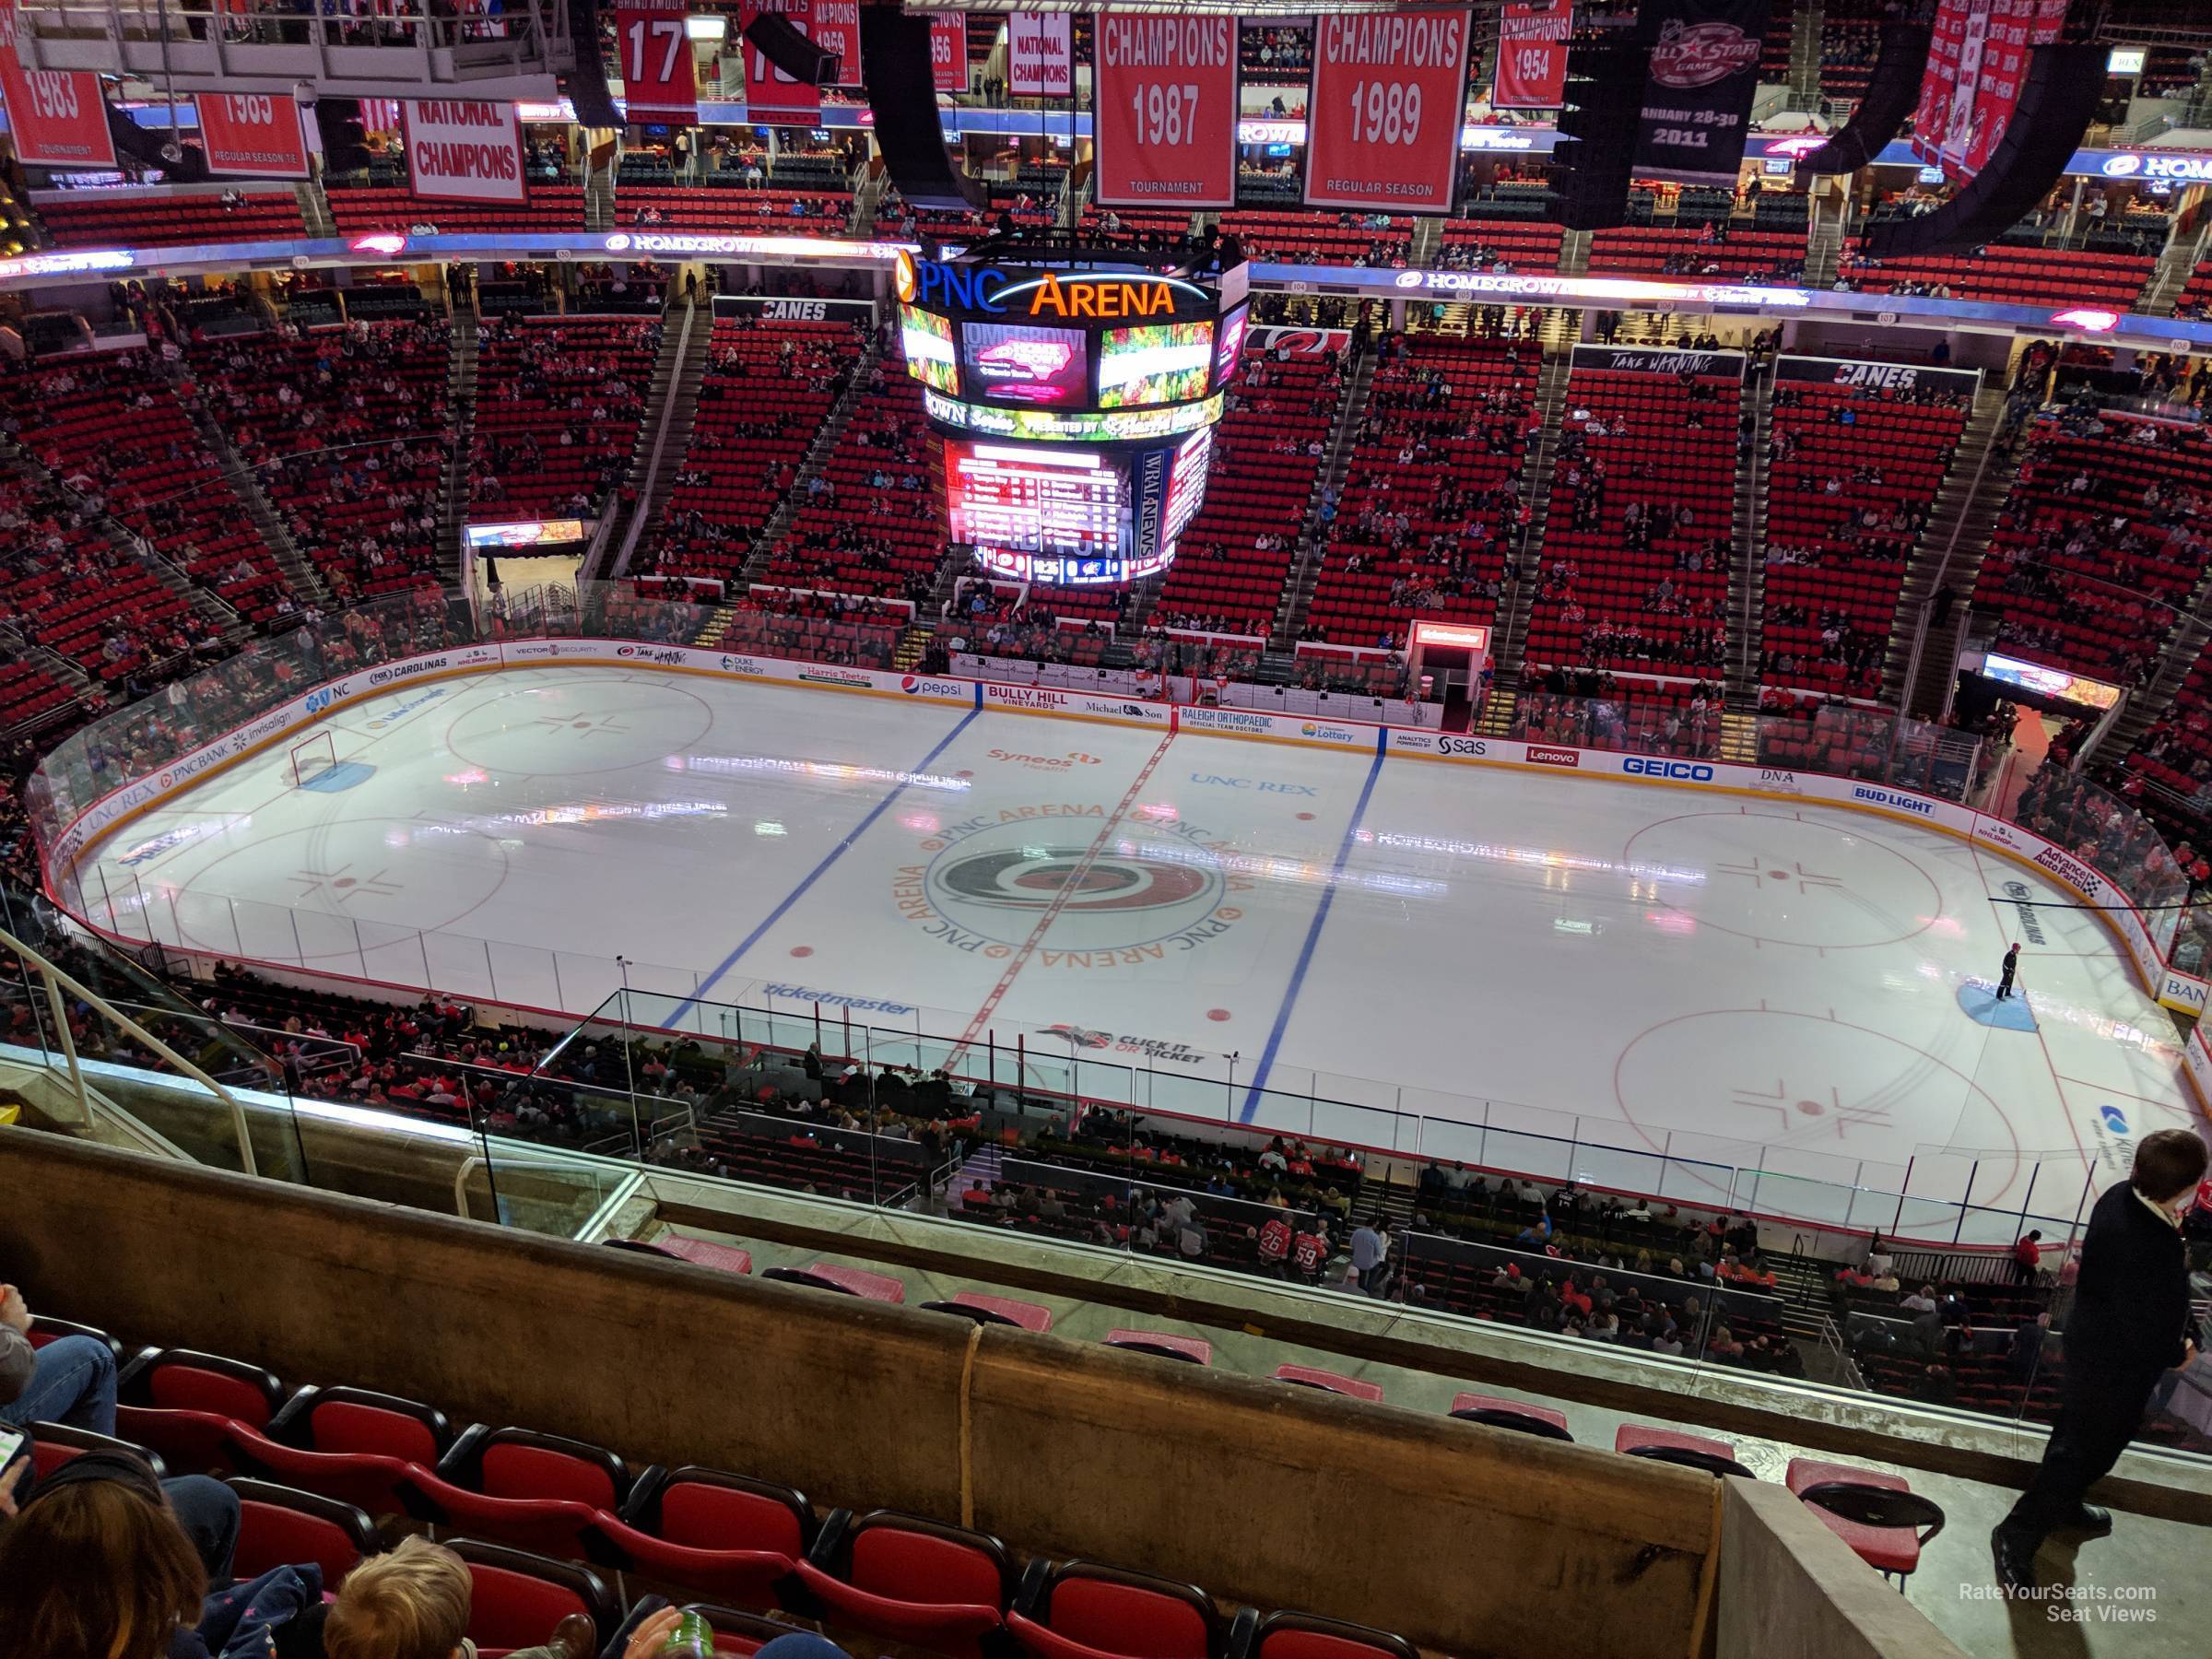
x: 1063, y: 878
x: 987, y: 885
x: 1698, y: 54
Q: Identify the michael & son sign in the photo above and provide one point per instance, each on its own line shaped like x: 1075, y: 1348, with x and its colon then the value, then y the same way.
x: 2175, y: 989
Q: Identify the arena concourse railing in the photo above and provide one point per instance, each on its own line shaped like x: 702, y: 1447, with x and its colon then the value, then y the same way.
x: 279, y: 687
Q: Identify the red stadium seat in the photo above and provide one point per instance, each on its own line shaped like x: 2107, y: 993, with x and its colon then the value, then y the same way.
x: 180, y: 1402
x: 537, y: 1492
x: 721, y: 1534
x: 845, y: 1281
x: 53, y: 1444
x: 910, y: 1580
x: 995, y: 1310
x: 1305, y: 1376
x: 1304, y: 1636
x: 1691, y: 1451
x: 517, y: 1598
x: 1083, y: 1611
x: 280, y: 1527
x: 1166, y: 1344
x: 1518, y: 1414
x: 1879, y: 1515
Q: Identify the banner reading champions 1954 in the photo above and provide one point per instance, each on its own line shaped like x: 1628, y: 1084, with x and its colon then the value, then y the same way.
x: 1696, y: 99
x: 1164, y: 111
x: 1389, y: 96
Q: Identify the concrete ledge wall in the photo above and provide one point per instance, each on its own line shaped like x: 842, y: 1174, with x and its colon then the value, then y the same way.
x: 1466, y: 1539
x: 1790, y: 1589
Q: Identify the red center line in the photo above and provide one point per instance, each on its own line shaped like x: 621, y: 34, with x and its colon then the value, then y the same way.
x: 1067, y: 889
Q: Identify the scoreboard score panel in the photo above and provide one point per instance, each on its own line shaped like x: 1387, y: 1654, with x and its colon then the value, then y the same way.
x: 1015, y: 502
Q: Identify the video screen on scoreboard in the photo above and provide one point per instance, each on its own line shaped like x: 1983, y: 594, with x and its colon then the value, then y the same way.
x: 1006, y: 498
x: 1013, y: 362
x: 927, y: 341
x: 1163, y: 362
x: 1229, y: 345
x: 1186, y: 483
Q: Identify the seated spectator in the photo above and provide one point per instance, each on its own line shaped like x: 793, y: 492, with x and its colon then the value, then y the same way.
x: 414, y: 1602
x: 95, y: 1566
x: 71, y: 1381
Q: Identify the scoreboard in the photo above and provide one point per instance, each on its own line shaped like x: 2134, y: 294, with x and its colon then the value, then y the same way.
x: 1075, y: 394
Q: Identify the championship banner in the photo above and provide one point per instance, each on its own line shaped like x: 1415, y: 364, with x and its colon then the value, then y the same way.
x: 1966, y: 88
x: 1389, y: 95
x: 55, y: 117
x: 1041, y: 54
x: 462, y: 150
x: 949, y: 51
x: 1697, y: 103
x: 658, y: 81
x: 836, y: 27
x: 2016, y: 29
x: 1876, y: 377
x: 252, y: 134
x: 767, y: 88
x: 1658, y: 359
x: 1939, y: 81
x: 1532, y: 54
x: 1164, y: 111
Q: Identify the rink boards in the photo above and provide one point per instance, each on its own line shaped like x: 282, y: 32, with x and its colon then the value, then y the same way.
x: 1385, y: 743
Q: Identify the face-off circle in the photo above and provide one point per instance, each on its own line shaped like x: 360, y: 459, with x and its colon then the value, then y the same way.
x: 1782, y: 878
x: 335, y: 880
x: 1002, y: 880
x: 604, y: 725
x: 1769, y: 1078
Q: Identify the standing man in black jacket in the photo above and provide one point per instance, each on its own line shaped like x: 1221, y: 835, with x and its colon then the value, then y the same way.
x: 2130, y: 1322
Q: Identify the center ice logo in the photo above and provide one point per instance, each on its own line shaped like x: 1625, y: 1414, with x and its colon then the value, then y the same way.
x: 996, y: 882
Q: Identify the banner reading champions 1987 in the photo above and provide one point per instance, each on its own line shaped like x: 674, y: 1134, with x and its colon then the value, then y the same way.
x: 1165, y: 110
x: 1697, y: 101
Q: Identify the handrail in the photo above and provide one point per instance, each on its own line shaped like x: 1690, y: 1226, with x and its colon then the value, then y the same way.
x: 56, y: 980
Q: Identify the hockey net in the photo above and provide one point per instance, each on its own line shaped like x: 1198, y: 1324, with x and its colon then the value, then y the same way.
x: 312, y: 756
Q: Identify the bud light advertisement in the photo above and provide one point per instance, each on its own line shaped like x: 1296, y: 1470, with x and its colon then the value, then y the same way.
x: 1696, y: 97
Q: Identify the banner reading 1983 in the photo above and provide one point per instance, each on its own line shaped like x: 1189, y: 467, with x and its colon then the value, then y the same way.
x: 1389, y: 96
x: 1165, y: 110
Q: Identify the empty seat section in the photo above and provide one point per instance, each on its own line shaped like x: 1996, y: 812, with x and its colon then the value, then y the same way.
x: 1424, y: 520
x: 558, y: 406
x: 346, y: 429
x: 2096, y: 546
x: 768, y: 391
x: 1636, y: 547
x: 169, y: 216
x: 1845, y: 503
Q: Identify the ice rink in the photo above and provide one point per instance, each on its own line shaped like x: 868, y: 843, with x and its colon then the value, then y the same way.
x: 1800, y: 991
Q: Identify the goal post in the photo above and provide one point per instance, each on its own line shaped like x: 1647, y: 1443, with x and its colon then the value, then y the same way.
x: 312, y: 756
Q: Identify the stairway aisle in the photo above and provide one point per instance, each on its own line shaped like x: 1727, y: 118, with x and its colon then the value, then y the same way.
x: 1949, y: 553
x: 1748, y: 568
x: 461, y: 415
x: 245, y: 483
x: 1535, y: 489
x: 823, y: 447
x: 1312, y: 534
x: 665, y: 439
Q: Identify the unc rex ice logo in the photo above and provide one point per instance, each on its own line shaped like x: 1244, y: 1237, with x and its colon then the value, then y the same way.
x: 2114, y: 1119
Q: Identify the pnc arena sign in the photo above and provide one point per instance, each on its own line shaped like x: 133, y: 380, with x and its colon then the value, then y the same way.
x: 1076, y: 297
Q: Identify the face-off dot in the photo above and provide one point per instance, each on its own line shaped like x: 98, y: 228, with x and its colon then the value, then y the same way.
x: 802, y: 950
x: 1216, y: 1014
